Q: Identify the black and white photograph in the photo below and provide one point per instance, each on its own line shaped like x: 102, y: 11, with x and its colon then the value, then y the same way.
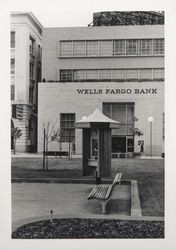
x: 88, y: 124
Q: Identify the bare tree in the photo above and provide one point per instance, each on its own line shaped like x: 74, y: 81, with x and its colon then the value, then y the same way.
x: 57, y: 136
x: 48, y: 128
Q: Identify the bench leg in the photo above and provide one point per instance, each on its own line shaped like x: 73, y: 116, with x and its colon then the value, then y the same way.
x: 103, y: 203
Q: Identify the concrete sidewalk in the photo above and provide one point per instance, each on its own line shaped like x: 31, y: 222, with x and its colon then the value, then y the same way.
x: 35, y: 155
x: 40, y: 155
x: 34, y: 201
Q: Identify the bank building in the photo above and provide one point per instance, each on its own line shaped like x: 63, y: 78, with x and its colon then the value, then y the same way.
x: 115, y: 65
x: 25, y: 62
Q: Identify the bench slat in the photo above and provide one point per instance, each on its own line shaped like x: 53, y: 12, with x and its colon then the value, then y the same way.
x: 103, y: 192
x: 98, y: 192
x: 117, y: 178
x: 109, y: 191
x: 94, y: 190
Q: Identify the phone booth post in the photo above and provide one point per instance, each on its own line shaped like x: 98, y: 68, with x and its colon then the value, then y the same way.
x: 96, y: 144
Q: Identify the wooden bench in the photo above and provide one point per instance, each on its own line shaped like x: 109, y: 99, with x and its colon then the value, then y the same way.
x: 55, y: 153
x: 103, y: 192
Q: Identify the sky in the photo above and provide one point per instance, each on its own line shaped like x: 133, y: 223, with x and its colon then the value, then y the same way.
x: 68, y: 13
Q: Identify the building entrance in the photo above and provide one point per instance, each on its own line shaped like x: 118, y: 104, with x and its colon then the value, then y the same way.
x: 123, y: 145
x: 122, y: 138
x: 119, y: 144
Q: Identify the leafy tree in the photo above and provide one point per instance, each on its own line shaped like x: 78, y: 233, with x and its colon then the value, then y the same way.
x: 136, y: 131
x: 16, y: 133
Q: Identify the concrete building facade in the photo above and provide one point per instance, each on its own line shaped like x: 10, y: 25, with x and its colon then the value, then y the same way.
x: 117, y: 69
x: 26, y: 52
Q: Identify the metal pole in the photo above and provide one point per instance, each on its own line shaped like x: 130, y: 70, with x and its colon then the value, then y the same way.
x: 69, y: 145
x: 98, y: 176
x: 151, y: 139
x: 44, y: 149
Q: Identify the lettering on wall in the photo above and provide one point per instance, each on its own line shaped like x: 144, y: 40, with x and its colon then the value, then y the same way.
x: 116, y: 91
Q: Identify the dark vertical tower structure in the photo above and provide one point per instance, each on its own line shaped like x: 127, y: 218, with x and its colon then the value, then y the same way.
x: 96, y: 156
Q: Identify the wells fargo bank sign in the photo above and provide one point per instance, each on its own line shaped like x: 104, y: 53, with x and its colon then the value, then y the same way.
x: 116, y: 91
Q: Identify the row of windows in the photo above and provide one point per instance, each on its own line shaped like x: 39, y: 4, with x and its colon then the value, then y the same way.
x: 122, y: 47
x: 68, y: 75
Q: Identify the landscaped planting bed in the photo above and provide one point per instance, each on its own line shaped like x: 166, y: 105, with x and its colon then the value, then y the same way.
x: 90, y: 228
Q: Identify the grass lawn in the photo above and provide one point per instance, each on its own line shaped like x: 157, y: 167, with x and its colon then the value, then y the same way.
x: 149, y: 174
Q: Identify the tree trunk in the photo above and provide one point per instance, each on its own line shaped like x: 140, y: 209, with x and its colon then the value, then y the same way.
x: 14, y: 145
x: 47, y: 155
x: 60, y: 145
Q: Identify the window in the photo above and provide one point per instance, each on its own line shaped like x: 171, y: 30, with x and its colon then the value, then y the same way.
x: 31, y: 90
x: 92, y: 75
x: 118, y: 74
x: 66, y: 75
x: 94, y: 143
x: 92, y: 48
x: 146, y: 46
x: 132, y: 74
x: 79, y: 48
x: 14, y: 111
x: 104, y: 74
x: 39, y: 73
x: 122, y: 112
x: 39, y: 52
x: 158, y: 74
x: 131, y: 47
x: 105, y: 48
x: 31, y: 70
x: 146, y: 74
x: 66, y: 48
x: 12, y: 39
x: 12, y: 92
x: 67, y: 126
x: 158, y: 46
x: 12, y: 71
x: 119, y: 47
x: 31, y: 45
x: 79, y: 75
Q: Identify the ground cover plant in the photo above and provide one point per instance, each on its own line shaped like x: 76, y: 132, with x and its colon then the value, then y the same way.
x: 90, y: 228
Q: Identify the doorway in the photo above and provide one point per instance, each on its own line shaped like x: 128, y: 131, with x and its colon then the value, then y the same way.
x: 119, y: 144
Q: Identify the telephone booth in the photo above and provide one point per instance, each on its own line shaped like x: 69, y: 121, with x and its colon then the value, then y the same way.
x: 96, y: 146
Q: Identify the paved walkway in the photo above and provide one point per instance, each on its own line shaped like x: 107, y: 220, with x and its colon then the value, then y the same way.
x: 39, y: 155
x: 34, y: 201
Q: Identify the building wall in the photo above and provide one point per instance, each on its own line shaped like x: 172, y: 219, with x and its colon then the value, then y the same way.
x: 66, y: 99
x: 52, y: 62
x: 25, y: 25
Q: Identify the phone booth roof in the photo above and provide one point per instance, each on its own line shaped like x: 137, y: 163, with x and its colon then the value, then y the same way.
x: 97, y: 118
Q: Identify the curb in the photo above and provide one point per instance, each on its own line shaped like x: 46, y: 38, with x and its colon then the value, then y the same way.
x: 19, y: 223
x: 63, y: 180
